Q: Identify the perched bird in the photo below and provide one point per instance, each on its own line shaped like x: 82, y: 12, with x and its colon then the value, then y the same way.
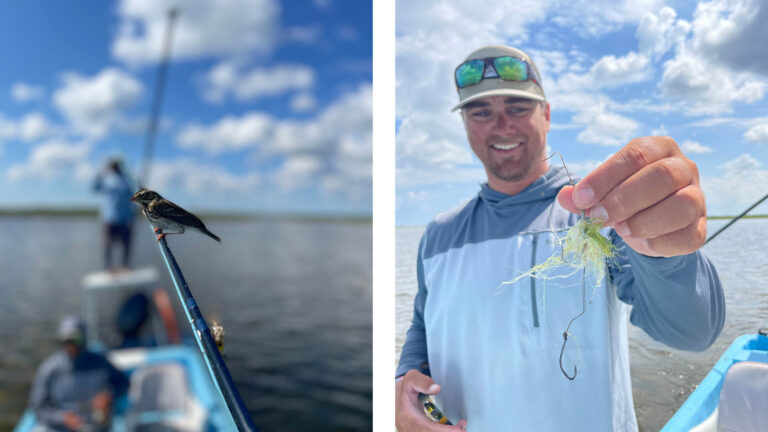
x: 165, y: 215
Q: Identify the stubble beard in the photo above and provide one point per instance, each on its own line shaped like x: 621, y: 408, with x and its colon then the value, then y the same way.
x: 510, y: 170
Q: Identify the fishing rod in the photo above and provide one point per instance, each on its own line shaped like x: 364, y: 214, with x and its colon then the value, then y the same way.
x: 157, y: 101
x: 216, y: 366
x: 736, y: 218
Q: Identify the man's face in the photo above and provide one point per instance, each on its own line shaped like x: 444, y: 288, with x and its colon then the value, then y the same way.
x: 509, y: 136
x: 72, y: 348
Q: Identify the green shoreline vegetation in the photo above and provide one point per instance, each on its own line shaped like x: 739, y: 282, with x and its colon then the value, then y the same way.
x: 226, y: 216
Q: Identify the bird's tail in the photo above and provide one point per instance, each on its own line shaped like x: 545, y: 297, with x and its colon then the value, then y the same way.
x: 205, y: 231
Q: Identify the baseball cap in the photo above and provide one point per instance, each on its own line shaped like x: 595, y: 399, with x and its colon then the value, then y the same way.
x: 71, y: 328
x: 496, y: 86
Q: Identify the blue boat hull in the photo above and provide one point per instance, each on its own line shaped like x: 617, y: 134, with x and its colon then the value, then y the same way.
x: 703, y: 401
x: 207, y: 397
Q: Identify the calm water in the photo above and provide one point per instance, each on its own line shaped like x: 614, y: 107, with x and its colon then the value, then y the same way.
x: 662, y: 378
x: 294, y: 297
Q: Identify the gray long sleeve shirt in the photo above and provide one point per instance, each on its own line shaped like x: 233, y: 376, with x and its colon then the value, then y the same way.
x: 496, y: 351
x: 64, y: 384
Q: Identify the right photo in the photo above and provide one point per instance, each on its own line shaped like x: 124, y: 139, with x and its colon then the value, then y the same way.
x: 581, y: 216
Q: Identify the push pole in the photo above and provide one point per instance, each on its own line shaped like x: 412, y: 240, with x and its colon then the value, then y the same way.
x: 731, y: 222
x: 216, y: 366
x: 157, y: 101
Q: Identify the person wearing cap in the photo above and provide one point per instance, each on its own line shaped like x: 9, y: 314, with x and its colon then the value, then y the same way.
x: 116, y: 211
x: 74, y: 388
x: 494, y: 359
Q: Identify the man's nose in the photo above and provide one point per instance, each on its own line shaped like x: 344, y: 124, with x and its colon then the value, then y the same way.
x: 503, y: 123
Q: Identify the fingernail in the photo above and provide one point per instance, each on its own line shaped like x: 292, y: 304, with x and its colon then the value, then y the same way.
x: 433, y: 389
x: 599, y: 212
x: 623, y: 229
x: 583, y: 197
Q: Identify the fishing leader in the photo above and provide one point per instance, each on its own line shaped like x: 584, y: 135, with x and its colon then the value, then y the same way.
x: 490, y: 356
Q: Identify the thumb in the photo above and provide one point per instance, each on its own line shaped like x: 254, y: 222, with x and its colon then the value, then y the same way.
x: 565, y: 198
x: 418, y: 382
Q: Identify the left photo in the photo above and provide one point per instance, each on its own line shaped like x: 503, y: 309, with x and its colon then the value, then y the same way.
x: 186, y: 202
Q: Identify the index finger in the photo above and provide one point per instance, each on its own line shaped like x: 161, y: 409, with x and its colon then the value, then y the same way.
x: 619, y: 167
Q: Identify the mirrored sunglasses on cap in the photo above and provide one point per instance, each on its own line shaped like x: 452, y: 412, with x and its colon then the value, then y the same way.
x: 507, y: 68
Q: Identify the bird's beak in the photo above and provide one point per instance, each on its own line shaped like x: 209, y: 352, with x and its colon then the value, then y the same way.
x: 133, y: 199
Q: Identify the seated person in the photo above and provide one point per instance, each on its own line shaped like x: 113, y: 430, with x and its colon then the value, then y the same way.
x: 74, y: 388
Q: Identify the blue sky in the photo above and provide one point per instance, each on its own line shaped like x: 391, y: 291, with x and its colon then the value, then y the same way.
x: 267, y: 105
x: 612, y: 70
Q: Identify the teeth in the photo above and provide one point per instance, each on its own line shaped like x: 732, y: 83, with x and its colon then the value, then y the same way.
x: 505, y: 147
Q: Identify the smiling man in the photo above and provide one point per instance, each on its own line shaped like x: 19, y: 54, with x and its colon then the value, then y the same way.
x: 491, y: 357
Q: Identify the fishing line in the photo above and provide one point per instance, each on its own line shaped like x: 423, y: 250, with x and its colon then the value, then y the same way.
x: 583, y: 249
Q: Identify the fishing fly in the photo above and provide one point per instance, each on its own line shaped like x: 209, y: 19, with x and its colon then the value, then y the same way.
x: 582, y: 249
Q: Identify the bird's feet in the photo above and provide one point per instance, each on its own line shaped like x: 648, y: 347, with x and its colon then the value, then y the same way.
x: 160, y: 236
x: 156, y: 230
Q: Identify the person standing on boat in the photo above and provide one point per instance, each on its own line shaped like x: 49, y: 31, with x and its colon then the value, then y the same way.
x: 74, y: 388
x: 116, y: 210
x: 490, y: 355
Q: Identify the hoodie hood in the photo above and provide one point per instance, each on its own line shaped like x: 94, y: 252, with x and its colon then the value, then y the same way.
x: 546, y: 187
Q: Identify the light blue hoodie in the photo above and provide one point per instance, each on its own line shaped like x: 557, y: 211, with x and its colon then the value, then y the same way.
x: 494, y: 350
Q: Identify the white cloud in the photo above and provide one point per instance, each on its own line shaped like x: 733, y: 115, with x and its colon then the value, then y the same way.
x: 21, y: 92
x: 693, y: 147
x: 581, y: 169
x: 322, y: 4
x: 707, y: 87
x: 200, y: 178
x: 298, y: 171
x: 229, y: 78
x: 352, y: 114
x: 303, y: 102
x: 741, y: 183
x: 229, y: 134
x: 612, y: 71
x: 605, y: 128
x: 715, y: 68
x: 757, y: 134
x: 54, y: 159
x: 34, y: 126
x: 336, y: 145
x: 599, y: 17
x: 426, y: 143
x: 733, y: 32
x: 340, y: 137
x: 660, y: 131
x: 303, y: 34
x: 204, y: 29
x: 95, y: 104
x: 31, y: 127
x: 657, y: 34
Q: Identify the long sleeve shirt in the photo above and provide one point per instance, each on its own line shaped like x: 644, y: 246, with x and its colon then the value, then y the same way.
x: 116, y: 206
x: 65, y: 384
x: 494, y: 348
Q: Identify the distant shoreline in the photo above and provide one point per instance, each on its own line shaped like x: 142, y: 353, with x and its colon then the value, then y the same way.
x: 232, y: 216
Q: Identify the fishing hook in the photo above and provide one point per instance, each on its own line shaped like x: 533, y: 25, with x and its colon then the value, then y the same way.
x: 583, y: 283
x: 565, y: 333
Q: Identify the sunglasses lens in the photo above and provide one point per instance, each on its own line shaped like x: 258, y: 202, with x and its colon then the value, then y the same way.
x: 469, y: 73
x: 511, y: 69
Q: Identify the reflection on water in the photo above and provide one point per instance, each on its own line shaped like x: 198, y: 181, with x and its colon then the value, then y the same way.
x: 294, y: 297
x: 662, y: 378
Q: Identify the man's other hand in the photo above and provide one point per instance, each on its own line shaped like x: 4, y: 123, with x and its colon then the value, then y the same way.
x: 409, y: 411
x: 72, y: 421
x: 649, y: 193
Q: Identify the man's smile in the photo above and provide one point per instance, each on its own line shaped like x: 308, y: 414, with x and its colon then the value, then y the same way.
x: 506, y: 146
